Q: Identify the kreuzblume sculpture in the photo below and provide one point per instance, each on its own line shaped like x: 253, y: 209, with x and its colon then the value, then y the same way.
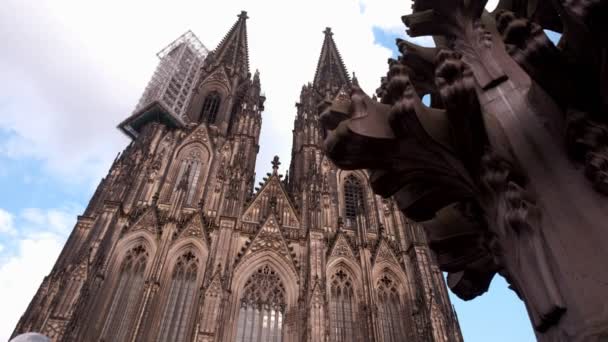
x: 507, y: 170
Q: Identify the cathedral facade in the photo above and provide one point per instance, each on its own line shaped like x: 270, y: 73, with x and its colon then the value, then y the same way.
x: 177, y: 244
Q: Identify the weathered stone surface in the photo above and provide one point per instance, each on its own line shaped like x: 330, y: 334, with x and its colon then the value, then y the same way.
x: 178, y: 245
x: 496, y: 172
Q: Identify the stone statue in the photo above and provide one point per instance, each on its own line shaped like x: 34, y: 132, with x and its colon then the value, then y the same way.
x: 492, y: 168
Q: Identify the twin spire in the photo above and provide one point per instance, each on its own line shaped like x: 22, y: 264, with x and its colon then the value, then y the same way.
x: 233, y: 52
x: 331, y: 73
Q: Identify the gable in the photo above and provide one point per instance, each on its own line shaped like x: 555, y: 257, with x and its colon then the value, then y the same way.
x: 269, y: 237
x: 385, y: 253
x: 194, y: 227
x: 148, y: 221
x: 200, y: 135
x: 272, y: 195
x: 341, y: 248
x: 220, y: 76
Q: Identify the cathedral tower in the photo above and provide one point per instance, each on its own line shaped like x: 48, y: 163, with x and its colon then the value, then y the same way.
x: 177, y: 245
x: 369, y: 266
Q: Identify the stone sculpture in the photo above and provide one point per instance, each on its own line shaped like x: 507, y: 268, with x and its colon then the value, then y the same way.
x: 507, y: 169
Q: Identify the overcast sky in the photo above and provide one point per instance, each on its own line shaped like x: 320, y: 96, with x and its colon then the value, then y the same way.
x: 72, y: 70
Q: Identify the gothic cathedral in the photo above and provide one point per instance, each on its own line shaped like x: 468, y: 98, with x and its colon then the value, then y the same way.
x: 177, y: 244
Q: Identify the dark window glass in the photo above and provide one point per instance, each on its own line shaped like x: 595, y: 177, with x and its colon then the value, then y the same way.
x: 211, y: 106
x: 353, y: 199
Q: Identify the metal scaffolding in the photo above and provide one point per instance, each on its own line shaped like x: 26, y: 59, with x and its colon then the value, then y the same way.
x: 169, y: 91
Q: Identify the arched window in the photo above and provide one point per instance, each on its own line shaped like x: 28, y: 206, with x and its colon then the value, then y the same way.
x: 187, y: 174
x: 178, y: 310
x: 127, y: 296
x: 342, y: 306
x: 353, y: 200
x: 262, y: 308
x: 211, y: 106
x: 390, y: 314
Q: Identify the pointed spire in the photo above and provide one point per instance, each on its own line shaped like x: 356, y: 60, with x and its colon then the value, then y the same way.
x: 331, y: 73
x: 232, y: 51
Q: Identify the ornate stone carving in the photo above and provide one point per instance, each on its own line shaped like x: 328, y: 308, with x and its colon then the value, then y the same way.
x: 486, y: 172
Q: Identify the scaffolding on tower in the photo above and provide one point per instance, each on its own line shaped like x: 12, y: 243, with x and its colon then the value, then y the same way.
x: 168, y: 93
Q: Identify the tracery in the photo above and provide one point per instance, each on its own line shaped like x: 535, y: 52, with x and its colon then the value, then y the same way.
x: 178, y: 310
x: 353, y: 200
x: 190, y: 167
x: 262, y: 308
x: 390, y: 313
x: 342, y: 307
x: 211, y: 106
x: 127, y: 295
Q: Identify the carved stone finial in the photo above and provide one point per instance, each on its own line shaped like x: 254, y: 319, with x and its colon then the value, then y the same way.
x: 275, y: 164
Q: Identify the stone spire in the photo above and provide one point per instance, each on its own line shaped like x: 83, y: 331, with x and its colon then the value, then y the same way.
x: 232, y: 51
x: 331, y: 73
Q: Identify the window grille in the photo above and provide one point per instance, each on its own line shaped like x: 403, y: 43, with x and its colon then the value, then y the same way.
x: 353, y: 200
x: 211, y: 106
x: 178, y: 312
x: 190, y: 168
x: 342, y: 307
x: 390, y: 313
x: 262, y: 308
x: 126, y: 296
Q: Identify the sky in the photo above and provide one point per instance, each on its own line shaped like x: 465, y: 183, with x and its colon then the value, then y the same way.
x: 72, y: 70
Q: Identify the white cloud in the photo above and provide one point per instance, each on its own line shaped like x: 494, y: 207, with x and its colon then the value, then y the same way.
x: 73, y: 69
x: 7, y: 223
x: 71, y: 75
x: 21, y: 274
x: 386, y: 14
x: 38, y: 236
x: 56, y: 220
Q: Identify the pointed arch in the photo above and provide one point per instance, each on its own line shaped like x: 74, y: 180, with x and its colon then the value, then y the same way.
x: 211, y: 107
x: 344, y: 289
x: 391, y: 302
x: 243, y: 273
x: 178, y: 310
x: 354, y: 197
x: 191, y: 165
x: 185, y: 267
x: 215, y: 83
x: 279, y: 263
x: 387, y: 267
x: 262, y: 307
x: 129, y: 270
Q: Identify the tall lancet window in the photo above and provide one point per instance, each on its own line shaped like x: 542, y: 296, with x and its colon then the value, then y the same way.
x: 262, y: 308
x: 342, y: 306
x: 127, y: 296
x: 211, y: 106
x: 390, y: 313
x: 189, y: 172
x: 353, y: 200
x: 178, y: 310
